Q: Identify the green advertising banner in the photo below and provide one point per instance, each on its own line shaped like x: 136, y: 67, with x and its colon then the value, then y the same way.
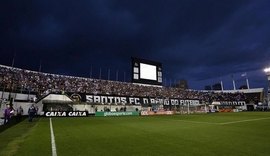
x: 117, y: 114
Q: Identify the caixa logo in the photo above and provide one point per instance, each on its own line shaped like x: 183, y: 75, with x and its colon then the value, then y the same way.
x: 66, y: 114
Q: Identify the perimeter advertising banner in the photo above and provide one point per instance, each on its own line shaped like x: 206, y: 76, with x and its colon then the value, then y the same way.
x: 117, y: 114
x: 146, y: 113
x: 66, y: 114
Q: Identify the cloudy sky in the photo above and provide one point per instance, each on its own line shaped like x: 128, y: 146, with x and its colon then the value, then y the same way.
x: 202, y: 41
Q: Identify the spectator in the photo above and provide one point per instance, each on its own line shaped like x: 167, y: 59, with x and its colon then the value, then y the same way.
x: 8, y: 113
x: 19, y: 114
x: 31, y: 112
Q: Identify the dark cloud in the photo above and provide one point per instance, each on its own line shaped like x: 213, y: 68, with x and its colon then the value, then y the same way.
x: 201, y: 41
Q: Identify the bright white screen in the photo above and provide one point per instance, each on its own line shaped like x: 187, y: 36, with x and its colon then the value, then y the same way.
x: 148, y: 72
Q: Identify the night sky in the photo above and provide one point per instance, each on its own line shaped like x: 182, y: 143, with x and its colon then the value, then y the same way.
x: 202, y: 41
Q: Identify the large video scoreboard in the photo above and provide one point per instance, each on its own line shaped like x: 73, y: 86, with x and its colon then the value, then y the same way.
x: 146, y: 72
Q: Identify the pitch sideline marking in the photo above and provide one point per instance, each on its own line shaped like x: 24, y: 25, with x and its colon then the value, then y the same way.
x: 224, y: 123
x: 199, y: 122
x: 232, y: 122
x: 52, y: 139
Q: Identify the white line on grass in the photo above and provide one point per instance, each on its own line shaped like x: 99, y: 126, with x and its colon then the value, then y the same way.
x: 52, y: 139
x: 197, y: 122
x: 232, y: 122
x: 224, y: 123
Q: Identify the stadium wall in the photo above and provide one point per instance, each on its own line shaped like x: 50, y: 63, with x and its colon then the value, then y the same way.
x: 17, y: 96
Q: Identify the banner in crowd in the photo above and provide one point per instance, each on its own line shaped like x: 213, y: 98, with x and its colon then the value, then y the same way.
x: 117, y: 114
x: 66, y: 114
x: 232, y: 103
x: 138, y: 100
x: 108, y: 99
x: 229, y: 103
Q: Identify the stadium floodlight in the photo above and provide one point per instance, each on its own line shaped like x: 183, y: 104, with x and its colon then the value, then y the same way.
x: 267, y: 70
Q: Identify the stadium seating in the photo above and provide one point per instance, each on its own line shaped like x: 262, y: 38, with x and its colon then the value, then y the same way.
x: 21, y: 80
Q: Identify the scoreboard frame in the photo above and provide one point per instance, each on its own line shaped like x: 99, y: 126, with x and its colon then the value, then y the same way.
x: 136, y: 71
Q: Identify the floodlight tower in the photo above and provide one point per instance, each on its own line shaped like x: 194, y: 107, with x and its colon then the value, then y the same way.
x: 267, y: 72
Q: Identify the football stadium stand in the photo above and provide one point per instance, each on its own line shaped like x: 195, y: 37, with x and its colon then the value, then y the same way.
x: 26, y: 87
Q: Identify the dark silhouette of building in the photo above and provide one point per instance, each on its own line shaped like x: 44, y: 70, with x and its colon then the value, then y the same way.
x: 208, y: 87
x: 216, y: 86
x: 183, y: 84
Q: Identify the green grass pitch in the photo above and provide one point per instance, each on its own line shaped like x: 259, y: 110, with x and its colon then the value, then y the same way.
x: 245, y: 133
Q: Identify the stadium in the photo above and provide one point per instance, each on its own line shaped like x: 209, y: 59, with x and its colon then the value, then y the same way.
x: 101, y: 116
x: 142, y: 78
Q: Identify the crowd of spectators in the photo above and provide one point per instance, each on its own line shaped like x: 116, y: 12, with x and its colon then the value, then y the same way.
x: 15, y: 79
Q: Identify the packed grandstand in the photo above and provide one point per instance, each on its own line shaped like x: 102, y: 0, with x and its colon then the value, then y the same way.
x: 40, y: 85
x: 20, y: 80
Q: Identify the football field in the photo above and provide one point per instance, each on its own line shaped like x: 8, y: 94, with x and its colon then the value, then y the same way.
x: 245, y: 133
